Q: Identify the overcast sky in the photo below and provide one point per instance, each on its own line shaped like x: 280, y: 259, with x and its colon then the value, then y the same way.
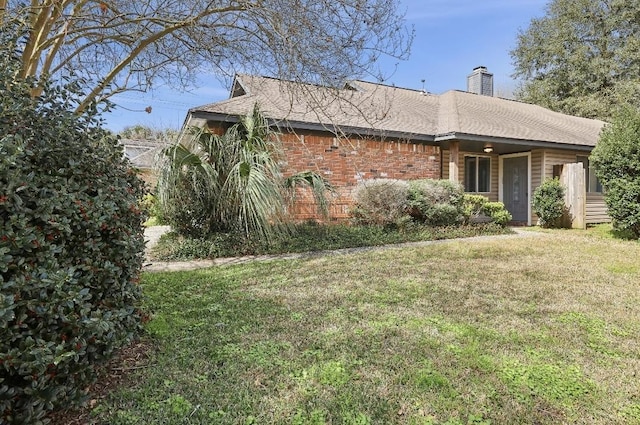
x: 451, y: 38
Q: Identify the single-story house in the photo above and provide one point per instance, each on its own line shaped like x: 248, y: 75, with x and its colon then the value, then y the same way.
x: 496, y: 147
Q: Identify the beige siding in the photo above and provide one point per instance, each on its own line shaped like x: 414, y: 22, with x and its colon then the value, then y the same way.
x: 596, y: 209
x: 493, y: 195
x: 557, y: 157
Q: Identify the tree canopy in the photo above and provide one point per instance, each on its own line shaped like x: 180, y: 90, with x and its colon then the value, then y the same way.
x: 582, y: 57
x: 121, y: 45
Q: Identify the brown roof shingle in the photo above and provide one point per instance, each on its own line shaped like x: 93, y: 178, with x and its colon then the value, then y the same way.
x: 367, y: 107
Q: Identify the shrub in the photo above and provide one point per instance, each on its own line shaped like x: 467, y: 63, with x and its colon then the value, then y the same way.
x: 71, y: 246
x: 497, y: 212
x: 548, y: 203
x: 476, y: 206
x: 472, y: 206
x: 381, y: 202
x: 616, y: 159
x: 436, y: 202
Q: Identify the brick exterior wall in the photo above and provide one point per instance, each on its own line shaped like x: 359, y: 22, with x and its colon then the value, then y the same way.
x: 346, y: 162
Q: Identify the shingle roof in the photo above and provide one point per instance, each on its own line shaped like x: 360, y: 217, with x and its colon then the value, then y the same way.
x: 368, y: 107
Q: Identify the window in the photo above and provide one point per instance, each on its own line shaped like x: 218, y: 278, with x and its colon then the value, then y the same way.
x: 593, y: 184
x: 477, y: 174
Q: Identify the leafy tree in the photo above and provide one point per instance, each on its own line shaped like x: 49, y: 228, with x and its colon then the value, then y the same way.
x: 582, y: 57
x: 616, y: 159
x: 230, y: 183
x: 120, y: 45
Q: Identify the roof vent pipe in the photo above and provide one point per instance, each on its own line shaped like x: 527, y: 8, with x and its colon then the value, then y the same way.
x: 480, y: 81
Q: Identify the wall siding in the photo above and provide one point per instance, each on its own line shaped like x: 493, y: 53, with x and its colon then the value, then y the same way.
x: 493, y: 195
x: 557, y: 157
x: 537, y: 176
x: 596, y: 209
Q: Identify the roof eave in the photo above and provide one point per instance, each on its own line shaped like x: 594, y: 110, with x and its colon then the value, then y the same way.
x: 301, y: 125
x: 466, y: 137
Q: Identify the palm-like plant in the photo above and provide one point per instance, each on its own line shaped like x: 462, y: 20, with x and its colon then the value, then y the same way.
x: 211, y: 183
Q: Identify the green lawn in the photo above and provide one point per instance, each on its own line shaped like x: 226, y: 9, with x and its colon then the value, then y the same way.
x: 542, y: 329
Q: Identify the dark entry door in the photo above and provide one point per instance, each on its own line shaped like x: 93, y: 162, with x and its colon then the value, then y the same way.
x: 515, y: 187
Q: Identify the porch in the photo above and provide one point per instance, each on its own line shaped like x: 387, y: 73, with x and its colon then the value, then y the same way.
x: 509, y: 171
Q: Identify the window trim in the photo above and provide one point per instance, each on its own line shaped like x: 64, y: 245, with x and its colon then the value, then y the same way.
x: 477, y: 162
x: 589, y: 172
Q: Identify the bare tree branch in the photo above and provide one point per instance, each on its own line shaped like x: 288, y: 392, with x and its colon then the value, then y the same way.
x: 135, y: 45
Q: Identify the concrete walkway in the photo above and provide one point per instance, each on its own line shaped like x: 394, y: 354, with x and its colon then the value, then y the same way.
x: 152, y: 234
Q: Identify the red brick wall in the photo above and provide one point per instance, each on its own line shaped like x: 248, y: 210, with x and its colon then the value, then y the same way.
x: 345, y: 162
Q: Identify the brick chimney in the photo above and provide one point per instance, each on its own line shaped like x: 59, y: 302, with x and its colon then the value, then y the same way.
x: 480, y: 81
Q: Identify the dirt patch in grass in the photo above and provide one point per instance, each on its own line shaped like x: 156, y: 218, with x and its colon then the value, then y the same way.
x: 117, y: 373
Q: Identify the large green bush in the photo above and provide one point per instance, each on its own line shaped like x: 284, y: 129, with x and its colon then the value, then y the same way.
x: 616, y: 159
x: 436, y: 202
x: 548, y: 203
x: 381, y: 202
x: 71, y: 246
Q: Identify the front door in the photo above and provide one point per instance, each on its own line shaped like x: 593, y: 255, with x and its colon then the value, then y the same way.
x: 515, y: 187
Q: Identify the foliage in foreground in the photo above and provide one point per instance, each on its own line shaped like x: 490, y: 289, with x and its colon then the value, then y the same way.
x: 71, y: 247
x: 542, y: 329
x: 548, y: 203
x: 231, y: 183
x: 309, y: 238
x: 616, y: 159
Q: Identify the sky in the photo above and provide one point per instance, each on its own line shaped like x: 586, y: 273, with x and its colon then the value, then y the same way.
x: 451, y: 38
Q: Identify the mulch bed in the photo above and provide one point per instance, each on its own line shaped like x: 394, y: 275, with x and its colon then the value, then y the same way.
x: 116, y: 373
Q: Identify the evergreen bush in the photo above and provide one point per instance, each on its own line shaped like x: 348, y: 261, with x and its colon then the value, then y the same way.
x: 616, y: 159
x: 477, y: 206
x: 548, y: 203
x: 71, y: 246
x: 497, y: 212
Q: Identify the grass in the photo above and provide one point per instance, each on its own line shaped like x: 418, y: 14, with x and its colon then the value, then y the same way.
x: 310, y: 237
x: 541, y: 329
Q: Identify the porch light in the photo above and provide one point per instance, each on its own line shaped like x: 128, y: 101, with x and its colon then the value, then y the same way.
x: 488, y: 149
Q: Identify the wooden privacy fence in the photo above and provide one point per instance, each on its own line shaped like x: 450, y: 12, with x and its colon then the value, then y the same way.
x: 582, y: 208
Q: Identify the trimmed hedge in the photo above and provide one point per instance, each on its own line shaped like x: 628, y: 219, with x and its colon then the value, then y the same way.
x: 548, y: 203
x: 396, y: 203
x: 71, y: 249
x: 477, y: 206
